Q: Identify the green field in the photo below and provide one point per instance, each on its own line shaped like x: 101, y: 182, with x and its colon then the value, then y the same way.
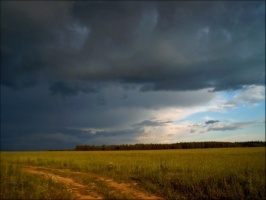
x: 225, y: 173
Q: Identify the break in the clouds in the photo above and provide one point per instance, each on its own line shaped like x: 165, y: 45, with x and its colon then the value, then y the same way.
x: 124, y: 72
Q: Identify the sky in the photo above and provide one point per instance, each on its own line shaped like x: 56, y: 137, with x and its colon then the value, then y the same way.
x: 126, y: 72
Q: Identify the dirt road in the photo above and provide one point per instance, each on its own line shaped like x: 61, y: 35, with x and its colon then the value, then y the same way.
x: 91, y: 190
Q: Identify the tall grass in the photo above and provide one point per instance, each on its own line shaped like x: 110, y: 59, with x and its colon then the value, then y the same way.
x: 232, y: 173
x: 17, y: 184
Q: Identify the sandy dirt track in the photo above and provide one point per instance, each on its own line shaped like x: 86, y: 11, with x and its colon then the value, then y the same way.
x: 87, y: 192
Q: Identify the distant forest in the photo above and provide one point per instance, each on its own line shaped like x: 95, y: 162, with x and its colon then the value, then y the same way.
x: 181, y: 145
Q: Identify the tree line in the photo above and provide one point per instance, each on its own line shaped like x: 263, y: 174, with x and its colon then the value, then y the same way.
x: 180, y: 145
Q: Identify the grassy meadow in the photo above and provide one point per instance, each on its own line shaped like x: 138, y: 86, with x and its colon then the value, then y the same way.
x: 222, y: 173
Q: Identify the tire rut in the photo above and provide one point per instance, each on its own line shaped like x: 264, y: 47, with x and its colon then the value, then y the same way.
x: 128, y: 188
x: 77, y: 188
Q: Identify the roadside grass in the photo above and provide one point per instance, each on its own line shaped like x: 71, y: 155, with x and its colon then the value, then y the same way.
x: 17, y: 184
x: 227, y: 173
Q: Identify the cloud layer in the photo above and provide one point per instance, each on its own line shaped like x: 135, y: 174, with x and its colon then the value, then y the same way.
x: 157, y: 45
x: 97, y: 72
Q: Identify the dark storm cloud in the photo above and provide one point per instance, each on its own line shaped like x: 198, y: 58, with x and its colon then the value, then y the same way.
x: 101, y: 57
x: 211, y: 121
x: 66, y: 89
x: 152, y: 123
x: 157, y: 45
x: 28, y: 40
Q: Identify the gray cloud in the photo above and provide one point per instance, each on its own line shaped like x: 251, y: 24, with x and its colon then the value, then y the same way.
x: 192, y: 131
x: 211, y: 121
x: 153, y: 123
x: 216, y: 125
x: 229, y: 126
